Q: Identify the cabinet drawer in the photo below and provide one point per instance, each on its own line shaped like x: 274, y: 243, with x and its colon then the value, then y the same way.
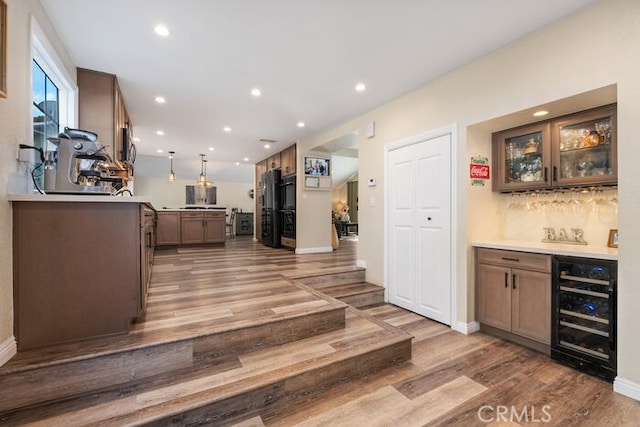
x: 197, y: 215
x: 215, y: 215
x: 514, y: 259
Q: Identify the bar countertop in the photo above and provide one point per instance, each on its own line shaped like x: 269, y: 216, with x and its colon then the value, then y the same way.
x: 584, y: 251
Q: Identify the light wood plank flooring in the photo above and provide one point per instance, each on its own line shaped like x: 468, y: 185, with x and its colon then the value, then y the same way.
x: 451, y: 379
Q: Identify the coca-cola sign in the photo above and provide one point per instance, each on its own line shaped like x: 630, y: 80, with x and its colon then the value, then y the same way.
x: 479, y: 171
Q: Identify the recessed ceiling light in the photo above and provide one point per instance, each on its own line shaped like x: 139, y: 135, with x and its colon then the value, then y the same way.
x: 160, y: 132
x: 300, y: 124
x: 160, y: 100
x: 237, y: 163
x: 226, y: 129
x: 159, y: 150
x: 540, y: 113
x: 256, y: 92
x: 136, y: 139
x: 162, y: 30
x: 246, y: 159
x: 360, y: 87
x: 211, y: 149
x: 267, y: 146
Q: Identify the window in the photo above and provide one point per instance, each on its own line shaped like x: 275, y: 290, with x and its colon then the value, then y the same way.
x: 46, y: 119
x: 53, y: 97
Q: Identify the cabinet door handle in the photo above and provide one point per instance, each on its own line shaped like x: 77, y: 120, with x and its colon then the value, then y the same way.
x: 513, y: 281
x: 555, y: 173
x: 506, y: 280
x: 510, y: 259
x: 545, y: 174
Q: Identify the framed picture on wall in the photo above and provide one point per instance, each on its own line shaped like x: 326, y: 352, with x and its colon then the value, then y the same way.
x: 613, y: 238
x: 3, y: 49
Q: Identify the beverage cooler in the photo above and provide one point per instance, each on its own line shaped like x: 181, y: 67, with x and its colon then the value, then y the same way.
x: 584, y: 315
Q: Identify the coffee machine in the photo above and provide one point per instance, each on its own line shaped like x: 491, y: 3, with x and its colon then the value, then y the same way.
x: 77, y: 164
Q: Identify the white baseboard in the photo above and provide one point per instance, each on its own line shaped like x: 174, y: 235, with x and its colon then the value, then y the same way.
x: 627, y: 387
x: 8, y: 349
x: 319, y: 250
x: 466, y: 328
x: 361, y: 263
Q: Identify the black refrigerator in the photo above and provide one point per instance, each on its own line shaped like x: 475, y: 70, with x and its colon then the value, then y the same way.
x: 271, y: 202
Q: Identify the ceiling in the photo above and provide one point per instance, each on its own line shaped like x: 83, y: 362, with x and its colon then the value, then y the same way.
x: 305, y: 56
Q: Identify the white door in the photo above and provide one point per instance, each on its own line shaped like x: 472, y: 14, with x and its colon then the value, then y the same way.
x: 419, y: 227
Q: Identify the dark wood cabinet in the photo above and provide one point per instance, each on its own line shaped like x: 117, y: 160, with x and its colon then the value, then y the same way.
x: 570, y: 151
x: 81, y: 269
x: 101, y: 109
x: 288, y: 161
x: 514, y: 292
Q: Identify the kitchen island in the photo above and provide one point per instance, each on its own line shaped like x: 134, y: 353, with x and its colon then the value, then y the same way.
x: 82, y: 266
x: 191, y: 225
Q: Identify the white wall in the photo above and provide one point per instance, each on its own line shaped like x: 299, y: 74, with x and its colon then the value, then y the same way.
x: 163, y: 193
x: 15, y: 128
x: 555, y: 63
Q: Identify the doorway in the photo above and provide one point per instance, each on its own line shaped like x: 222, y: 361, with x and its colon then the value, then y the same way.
x: 418, y: 234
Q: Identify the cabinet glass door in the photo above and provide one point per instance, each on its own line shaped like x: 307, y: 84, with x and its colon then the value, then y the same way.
x: 586, y: 147
x: 523, y: 156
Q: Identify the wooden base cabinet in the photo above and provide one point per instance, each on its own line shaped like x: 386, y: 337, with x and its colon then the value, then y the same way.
x: 81, y: 269
x: 202, y: 227
x: 514, y: 292
x: 168, y: 230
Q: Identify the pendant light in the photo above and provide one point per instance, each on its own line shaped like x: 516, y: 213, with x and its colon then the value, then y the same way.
x: 207, y: 183
x: 202, y: 179
x: 172, y: 174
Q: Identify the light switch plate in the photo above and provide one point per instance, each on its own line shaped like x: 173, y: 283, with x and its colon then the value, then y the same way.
x: 371, y: 129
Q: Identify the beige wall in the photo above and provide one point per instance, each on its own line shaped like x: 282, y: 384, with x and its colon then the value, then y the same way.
x: 15, y: 128
x: 163, y: 193
x: 556, y: 63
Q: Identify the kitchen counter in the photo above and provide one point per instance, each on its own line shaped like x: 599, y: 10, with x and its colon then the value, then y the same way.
x: 193, y: 209
x: 584, y: 251
x: 77, y: 198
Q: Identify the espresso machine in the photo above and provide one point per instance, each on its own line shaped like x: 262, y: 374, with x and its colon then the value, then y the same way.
x: 77, y: 163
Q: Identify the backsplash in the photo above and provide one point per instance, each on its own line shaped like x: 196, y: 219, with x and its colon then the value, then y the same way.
x: 529, y: 216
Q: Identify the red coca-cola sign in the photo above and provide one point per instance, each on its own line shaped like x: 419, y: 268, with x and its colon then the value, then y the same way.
x: 479, y: 171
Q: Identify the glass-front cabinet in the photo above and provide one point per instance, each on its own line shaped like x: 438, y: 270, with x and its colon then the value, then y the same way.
x: 523, y: 158
x: 585, y: 148
x: 570, y: 151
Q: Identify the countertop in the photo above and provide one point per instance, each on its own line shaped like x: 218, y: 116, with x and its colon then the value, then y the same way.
x: 77, y: 198
x: 584, y: 251
x: 188, y: 209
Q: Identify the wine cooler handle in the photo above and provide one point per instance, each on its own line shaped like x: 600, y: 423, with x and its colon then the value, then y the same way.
x: 613, y: 315
x: 513, y: 281
x: 506, y: 280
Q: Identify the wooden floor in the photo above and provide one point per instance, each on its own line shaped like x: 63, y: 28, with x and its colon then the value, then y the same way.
x: 451, y: 379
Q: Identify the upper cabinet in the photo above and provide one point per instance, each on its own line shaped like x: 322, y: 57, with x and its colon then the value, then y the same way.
x: 570, y: 151
x: 273, y: 162
x: 102, y: 110
x: 288, y: 161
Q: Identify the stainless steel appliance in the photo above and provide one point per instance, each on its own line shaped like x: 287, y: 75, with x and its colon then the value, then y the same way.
x: 271, y: 206
x: 584, y: 315
x: 78, y: 164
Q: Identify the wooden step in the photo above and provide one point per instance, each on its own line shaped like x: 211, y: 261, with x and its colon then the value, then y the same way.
x: 250, y: 385
x: 333, y: 277
x: 162, y: 344
x: 359, y: 295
